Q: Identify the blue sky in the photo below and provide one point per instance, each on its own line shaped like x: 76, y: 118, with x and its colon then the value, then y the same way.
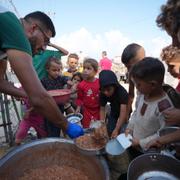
x: 94, y: 25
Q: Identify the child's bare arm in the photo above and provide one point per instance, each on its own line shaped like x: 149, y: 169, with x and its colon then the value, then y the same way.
x: 78, y: 109
x: 102, y: 113
x: 121, y: 120
x: 130, y: 99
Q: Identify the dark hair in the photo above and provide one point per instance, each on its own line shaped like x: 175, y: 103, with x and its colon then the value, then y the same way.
x: 77, y: 74
x: 43, y: 19
x: 73, y: 55
x: 129, y: 52
x: 104, y: 53
x: 169, y: 18
x: 93, y: 63
x: 52, y: 59
x: 148, y: 69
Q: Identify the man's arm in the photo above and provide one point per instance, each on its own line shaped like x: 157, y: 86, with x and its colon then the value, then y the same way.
x: 21, y: 63
x: 65, y: 52
x: 8, y: 87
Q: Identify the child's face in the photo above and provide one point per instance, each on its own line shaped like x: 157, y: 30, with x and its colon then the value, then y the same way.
x: 108, y: 91
x: 76, y: 80
x: 88, y: 71
x: 54, y: 70
x: 142, y: 86
x: 174, y: 70
x: 72, y: 63
x: 139, y: 56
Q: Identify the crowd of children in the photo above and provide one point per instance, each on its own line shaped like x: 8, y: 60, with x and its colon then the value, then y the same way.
x: 92, y: 91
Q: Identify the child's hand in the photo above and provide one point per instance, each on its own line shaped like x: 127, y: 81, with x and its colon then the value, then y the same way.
x: 172, y: 116
x: 154, y: 143
x: 135, y: 141
x: 70, y: 83
x: 78, y: 109
x: 27, y: 113
x: 115, y: 133
x: 128, y: 131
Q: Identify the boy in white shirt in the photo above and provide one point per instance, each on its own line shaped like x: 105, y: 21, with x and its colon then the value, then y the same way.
x: 148, y: 118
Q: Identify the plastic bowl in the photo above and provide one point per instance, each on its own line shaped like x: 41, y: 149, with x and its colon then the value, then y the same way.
x: 61, y: 96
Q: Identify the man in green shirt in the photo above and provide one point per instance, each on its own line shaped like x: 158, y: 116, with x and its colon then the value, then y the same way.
x: 17, y: 39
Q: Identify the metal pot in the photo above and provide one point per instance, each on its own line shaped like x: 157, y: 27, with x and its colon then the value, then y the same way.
x: 154, y: 166
x: 167, y: 130
x: 92, y: 152
x: 51, y: 151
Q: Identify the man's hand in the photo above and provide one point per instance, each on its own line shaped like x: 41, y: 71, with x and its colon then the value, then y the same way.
x: 74, y: 130
x: 172, y: 116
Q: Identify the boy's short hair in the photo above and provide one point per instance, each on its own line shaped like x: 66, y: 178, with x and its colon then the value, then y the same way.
x: 52, y: 59
x: 43, y: 19
x: 104, y: 53
x: 73, y: 55
x: 148, y: 69
x: 130, y: 52
x: 169, y: 18
x: 93, y: 63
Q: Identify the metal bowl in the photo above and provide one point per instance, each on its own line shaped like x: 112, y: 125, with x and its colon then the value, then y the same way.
x: 51, y: 151
x: 168, y: 130
x: 154, y: 166
x: 61, y: 96
x: 74, y: 118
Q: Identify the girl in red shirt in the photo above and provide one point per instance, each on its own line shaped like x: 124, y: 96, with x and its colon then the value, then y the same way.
x: 88, y: 93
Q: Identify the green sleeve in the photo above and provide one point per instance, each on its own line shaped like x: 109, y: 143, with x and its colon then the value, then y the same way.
x: 12, y: 34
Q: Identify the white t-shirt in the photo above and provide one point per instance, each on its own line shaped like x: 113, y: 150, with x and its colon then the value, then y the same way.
x: 148, y: 118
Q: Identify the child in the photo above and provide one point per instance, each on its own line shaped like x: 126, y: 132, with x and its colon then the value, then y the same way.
x: 171, y: 55
x: 72, y: 63
x: 168, y: 20
x: 31, y: 119
x: 88, y: 93
x: 111, y: 91
x: 132, y: 54
x: 148, y: 118
x: 76, y: 79
x: 54, y: 81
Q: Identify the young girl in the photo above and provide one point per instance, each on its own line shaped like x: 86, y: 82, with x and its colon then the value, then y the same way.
x: 76, y: 79
x: 55, y: 81
x: 88, y: 93
x: 30, y: 119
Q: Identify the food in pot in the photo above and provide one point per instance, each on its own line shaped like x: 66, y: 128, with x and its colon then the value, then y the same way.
x: 54, y: 172
x: 88, y: 142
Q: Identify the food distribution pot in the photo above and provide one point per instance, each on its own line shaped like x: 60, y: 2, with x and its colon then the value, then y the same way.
x: 51, y: 151
x: 154, y: 166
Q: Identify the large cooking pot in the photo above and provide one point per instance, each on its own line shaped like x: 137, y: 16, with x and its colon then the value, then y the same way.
x: 154, y: 166
x: 51, y: 151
